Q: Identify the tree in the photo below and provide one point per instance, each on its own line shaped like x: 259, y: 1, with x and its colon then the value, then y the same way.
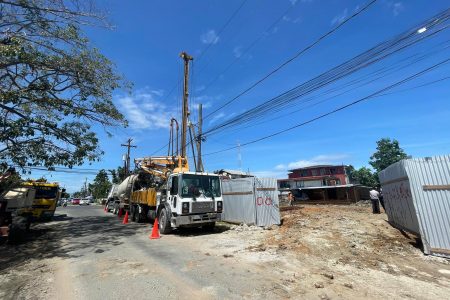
x: 365, y: 176
x: 388, y: 152
x: 118, y: 175
x: 101, y: 185
x: 53, y: 85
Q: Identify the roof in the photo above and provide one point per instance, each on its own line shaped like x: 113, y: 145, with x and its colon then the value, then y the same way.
x: 232, y: 172
x: 330, y: 186
x: 316, y: 166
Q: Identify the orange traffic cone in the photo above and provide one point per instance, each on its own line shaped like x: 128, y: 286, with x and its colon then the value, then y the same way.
x: 125, y: 219
x: 120, y: 213
x: 155, y: 231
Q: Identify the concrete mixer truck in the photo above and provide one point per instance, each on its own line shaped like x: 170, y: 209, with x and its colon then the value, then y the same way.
x: 178, y: 199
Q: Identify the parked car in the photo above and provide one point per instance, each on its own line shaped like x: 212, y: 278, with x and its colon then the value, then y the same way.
x: 75, y: 201
x: 84, y: 201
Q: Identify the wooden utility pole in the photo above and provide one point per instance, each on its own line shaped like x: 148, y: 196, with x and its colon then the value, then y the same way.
x: 127, y: 161
x: 199, y: 139
x: 184, y: 126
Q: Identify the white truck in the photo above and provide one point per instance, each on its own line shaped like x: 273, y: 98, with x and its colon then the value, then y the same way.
x: 182, y: 199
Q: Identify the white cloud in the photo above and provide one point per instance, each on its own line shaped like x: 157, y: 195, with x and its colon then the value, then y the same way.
x: 144, y: 111
x: 209, y: 37
x: 340, y: 17
x: 237, y: 51
x: 205, y: 100
x: 291, y: 20
x: 269, y: 174
x: 328, y: 159
x: 217, y: 118
x: 397, y: 8
x: 200, y: 88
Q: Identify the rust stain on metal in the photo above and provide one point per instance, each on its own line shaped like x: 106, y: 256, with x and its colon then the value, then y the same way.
x: 436, y: 187
x: 238, y: 193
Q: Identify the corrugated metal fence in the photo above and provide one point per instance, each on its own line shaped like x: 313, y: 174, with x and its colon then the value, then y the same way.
x: 417, y: 198
x: 253, y: 201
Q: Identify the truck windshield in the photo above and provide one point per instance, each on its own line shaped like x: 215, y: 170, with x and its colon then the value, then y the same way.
x: 47, y: 192
x: 196, y: 185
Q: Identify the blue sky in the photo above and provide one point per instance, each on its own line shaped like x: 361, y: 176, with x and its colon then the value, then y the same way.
x: 149, y: 35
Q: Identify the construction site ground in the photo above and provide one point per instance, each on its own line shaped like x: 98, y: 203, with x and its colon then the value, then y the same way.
x: 320, y: 252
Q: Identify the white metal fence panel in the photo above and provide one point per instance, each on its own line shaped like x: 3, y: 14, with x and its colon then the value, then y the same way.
x: 430, y: 181
x: 426, y: 183
x: 238, y: 204
x: 266, y: 200
x: 398, y: 198
x: 251, y: 201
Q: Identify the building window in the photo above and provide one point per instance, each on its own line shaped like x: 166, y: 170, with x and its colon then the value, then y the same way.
x: 314, y: 172
x: 322, y: 171
x: 285, y: 185
x: 303, y: 173
x: 332, y: 170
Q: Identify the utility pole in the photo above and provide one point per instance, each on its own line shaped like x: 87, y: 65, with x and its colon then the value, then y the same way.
x: 127, y: 161
x: 199, y: 139
x: 85, y: 188
x: 186, y: 57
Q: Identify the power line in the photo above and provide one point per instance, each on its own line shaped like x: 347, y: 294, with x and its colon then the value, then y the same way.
x: 246, y: 50
x: 375, y: 54
x: 233, y: 15
x: 334, y: 29
x: 202, y: 53
x: 373, y: 95
x: 350, y: 86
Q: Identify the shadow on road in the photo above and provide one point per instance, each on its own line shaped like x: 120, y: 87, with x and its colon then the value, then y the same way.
x: 64, y: 236
x: 196, y: 231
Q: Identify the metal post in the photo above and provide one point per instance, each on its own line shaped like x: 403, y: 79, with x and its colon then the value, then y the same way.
x: 127, y: 162
x: 199, y: 139
x: 184, y: 125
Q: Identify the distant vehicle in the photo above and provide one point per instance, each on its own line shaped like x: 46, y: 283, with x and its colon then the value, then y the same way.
x: 84, y: 201
x: 75, y: 201
x: 46, y: 198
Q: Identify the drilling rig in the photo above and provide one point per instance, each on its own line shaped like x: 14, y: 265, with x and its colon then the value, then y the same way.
x: 164, y: 187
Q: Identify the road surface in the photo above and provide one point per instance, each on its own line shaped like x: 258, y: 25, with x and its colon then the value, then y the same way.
x: 89, y: 254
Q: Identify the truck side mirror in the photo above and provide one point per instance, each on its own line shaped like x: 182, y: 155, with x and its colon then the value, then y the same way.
x: 63, y: 190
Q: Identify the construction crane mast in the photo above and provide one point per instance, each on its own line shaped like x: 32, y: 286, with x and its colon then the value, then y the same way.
x: 184, y: 124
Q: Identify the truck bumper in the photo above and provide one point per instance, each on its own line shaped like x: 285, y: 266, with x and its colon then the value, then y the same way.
x: 195, y: 219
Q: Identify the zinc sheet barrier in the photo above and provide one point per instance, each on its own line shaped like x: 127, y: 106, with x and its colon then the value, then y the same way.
x: 251, y: 201
x: 421, y: 201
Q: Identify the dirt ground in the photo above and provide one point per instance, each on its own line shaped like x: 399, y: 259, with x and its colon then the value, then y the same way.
x: 343, y: 252
x: 320, y: 252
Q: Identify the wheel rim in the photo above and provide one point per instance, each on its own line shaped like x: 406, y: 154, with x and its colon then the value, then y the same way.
x: 162, y: 219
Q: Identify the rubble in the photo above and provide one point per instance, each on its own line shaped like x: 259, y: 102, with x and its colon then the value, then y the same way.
x: 318, y: 285
x: 245, y: 227
x: 328, y: 275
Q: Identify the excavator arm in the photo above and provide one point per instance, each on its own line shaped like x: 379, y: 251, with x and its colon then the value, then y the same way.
x: 162, y: 166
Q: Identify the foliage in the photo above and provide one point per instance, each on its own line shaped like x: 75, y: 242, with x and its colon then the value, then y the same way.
x: 79, y: 194
x: 388, y: 152
x: 118, y: 175
x: 9, y: 178
x: 365, y: 176
x: 101, y: 185
x: 53, y: 85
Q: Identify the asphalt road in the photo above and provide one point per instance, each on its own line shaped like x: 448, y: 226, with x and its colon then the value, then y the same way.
x: 94, y: 256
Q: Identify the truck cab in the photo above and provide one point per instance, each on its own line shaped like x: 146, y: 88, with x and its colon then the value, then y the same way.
x: 190, y: 199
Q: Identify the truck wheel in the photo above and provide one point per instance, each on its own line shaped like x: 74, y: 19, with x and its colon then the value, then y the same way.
x: 17, y: 230
x: 209, y: 226
x: 164, y: 222
x: 133, y: 212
